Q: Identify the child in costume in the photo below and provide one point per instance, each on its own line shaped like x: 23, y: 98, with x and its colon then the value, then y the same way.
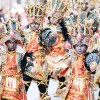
x: 11, y: 75
x: 79, y: 86
x: 34, y: 62
x: 55, y: 11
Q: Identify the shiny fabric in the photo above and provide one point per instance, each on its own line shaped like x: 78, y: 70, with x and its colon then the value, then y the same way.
x: 79, y: 87
x: 10, y: 67
x: 33, y: 45
x: 11, y: 78
x: 58, y: 47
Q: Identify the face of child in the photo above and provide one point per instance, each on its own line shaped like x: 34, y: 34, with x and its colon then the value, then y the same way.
x: 83, y: 6
x: 80, y: 49
x: 11, y: 45
x: 53, y: 20
x: 34, y: 26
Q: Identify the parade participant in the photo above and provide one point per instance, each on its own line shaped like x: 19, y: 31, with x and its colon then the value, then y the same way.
x: 35, y: 13
x: 97, y: 77
x: 55, y: 13
x: 11, y: 76
x: 41, y: 69
x: 46, y: 40
x: 82, y: 41
x: 96, y: 46
x: 81, y: 83
x: 97, y: 66
x: 94, y: 57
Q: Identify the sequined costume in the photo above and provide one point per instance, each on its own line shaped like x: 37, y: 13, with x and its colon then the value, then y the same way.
x: 11, y: 75
x: 79, y: 86
x: 35, y: 51
x: 55, y: 12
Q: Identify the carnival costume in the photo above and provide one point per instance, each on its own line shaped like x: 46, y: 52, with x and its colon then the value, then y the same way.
x: 34, y: 51
x: 11, y: 76
x: 55, y: 10
x: 81, y: 29
x: 97, y: 72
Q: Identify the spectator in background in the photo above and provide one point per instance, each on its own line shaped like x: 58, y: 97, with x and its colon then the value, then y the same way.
x: 2, y: 14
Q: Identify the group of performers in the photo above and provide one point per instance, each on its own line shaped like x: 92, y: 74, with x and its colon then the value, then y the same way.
x: 61, y: 42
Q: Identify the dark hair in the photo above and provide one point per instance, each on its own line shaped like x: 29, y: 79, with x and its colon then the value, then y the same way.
x: 64, y: 31
x: 45, y: 38
x: 94, y: 16
x: 26, y: 78
x: 24, y: 60
x: 16, y: 41
x: 77, y: 44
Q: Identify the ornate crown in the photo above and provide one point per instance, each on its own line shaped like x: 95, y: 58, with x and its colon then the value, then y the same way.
x: 35, y: 11
x: 10, y: 29
x: 55, y: 6
x: 81, y: 28
x: 80, y: 24
x: 10, y: 25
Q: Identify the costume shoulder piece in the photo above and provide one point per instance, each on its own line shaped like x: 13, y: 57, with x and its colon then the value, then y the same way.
x: 92, y: 57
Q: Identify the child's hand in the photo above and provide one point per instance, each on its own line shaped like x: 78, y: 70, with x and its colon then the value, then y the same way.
x: 93, y: 66
x: 55, y: 72
x: 33, y: 71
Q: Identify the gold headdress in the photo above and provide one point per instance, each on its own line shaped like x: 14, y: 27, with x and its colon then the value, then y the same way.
x: 87, y: 1
x: 79, y: 25
x: 36, y: 11
x: 10, y: 30
x: 81, y: 29
x: 56, y: 8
